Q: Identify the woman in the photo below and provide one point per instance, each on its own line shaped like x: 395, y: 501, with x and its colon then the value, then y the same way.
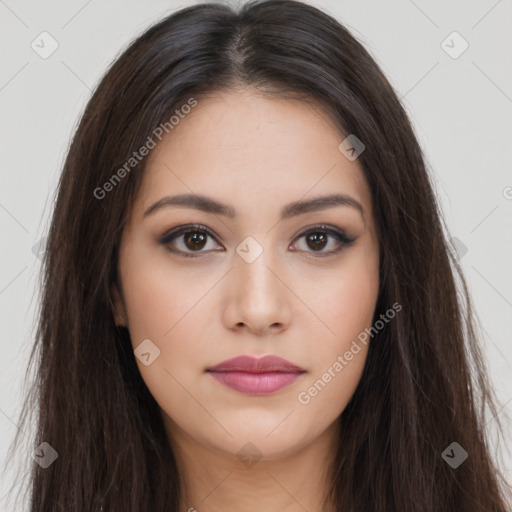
x: 249, y: 302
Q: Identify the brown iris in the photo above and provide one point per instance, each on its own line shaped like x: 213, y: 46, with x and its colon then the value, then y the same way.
x: 316, y: 240
x: 194, y: 240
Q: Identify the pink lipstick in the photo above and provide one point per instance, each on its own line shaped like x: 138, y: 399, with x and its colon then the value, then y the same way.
x: 254, y: 376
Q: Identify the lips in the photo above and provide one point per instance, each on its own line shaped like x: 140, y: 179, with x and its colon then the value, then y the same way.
x: 254, y: 365
x: 254, y: 376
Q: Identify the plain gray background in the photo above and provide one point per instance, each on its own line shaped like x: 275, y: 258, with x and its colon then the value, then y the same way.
x: 460, y: 105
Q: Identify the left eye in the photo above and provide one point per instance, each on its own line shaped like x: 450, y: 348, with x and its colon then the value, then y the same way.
x: 194, y: 239
x: 318, y: 238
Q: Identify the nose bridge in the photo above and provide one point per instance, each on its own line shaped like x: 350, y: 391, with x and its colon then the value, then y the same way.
x: 254, y: 256
x: 259, y: 297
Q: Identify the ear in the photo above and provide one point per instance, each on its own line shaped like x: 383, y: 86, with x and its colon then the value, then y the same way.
x: 120, y: 316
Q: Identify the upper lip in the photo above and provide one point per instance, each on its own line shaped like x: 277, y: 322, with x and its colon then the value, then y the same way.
x: 256, y: 365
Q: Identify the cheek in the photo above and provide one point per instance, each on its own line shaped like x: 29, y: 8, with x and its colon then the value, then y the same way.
x: 172, y: 308
x: 347, y: 305
x: 352, y: 305
x: 152, y: 305
x: 356, y: 297
x: 345, y: 302
x: 326, y: 394
x: 160, y: 296
x: 339, y: 358
x: 164, y: 307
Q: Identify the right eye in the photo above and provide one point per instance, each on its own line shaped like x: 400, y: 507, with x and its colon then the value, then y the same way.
x: 194, y: 237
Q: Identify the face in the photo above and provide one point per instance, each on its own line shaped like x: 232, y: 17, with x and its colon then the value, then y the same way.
x: 268, y: 269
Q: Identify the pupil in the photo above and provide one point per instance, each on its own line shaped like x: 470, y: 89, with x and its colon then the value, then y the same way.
x: 318, y: 240
x: 195, y: 239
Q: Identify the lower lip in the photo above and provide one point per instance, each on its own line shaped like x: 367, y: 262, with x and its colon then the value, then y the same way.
x: 255, y: 383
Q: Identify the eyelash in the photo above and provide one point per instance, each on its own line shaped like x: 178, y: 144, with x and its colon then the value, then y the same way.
x: 342, y: 238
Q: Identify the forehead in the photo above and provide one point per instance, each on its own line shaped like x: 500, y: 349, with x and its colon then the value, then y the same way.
x: 253, y: 150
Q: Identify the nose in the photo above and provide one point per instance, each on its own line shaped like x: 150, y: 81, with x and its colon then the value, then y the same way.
x: 258, y: 297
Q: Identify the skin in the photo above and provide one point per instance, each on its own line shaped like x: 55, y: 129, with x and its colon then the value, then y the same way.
x: 256, y: 154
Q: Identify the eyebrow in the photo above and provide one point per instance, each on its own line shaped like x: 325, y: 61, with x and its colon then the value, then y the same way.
x: 209, y: 205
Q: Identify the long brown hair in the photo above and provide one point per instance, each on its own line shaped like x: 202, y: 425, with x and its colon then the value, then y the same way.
x: 424, y: 384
